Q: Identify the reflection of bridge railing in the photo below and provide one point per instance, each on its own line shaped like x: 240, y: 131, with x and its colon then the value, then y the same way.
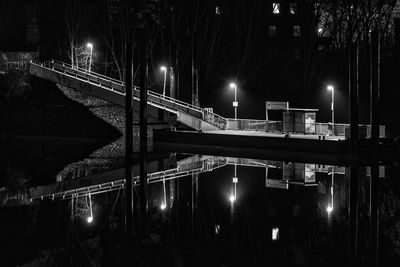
x: 185, y: 167
x: 156, y: 99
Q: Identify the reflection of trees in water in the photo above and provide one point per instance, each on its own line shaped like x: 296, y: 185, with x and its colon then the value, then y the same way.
x: 389, y: 216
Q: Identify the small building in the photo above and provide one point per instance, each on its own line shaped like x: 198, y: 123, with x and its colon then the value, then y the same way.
x: 294, y: 120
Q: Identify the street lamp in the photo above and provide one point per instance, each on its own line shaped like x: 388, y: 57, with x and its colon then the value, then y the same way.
x: 90, y: 46
x: 235, y: 103
x: 164, y: 69
x: 332, y: 89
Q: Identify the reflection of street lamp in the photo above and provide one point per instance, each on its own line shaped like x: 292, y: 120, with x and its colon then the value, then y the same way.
x: 90, y: 218
x: 164, y: 69
x: 235, y: 103
x: 331, y: 88
x: 232, y: 198
x: 90, y: 46
x: 329, y: 209
x: 164, y: 204
x: 275, y: 233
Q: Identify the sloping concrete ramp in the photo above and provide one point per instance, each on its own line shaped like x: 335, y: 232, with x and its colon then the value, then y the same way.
x: 113, y: 90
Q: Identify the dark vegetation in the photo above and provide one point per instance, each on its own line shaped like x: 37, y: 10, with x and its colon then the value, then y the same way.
x: 33, y: 106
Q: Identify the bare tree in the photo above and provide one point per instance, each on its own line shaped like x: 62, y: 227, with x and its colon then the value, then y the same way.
x: 73, y: 15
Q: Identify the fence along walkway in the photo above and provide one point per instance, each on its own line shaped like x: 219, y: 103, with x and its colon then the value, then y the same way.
x: 113, y: 90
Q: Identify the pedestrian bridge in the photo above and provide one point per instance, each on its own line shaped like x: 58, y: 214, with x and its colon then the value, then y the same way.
x: 113, y: 90
x: 197, y: 118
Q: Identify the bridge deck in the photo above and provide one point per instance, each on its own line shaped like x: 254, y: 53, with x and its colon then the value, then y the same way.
x: 113, y: 90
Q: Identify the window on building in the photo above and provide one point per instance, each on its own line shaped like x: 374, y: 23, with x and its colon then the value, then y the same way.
x: 293, y: 8
x: 276, y: 8
x: 272, y: 30
x: 296, y: 31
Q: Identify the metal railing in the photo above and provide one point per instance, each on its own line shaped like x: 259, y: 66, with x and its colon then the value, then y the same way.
x: 5, y: 66
x: 119, y: 86
x: 254, y: 125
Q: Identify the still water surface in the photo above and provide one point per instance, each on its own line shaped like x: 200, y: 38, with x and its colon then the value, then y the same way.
x: 203, y: 211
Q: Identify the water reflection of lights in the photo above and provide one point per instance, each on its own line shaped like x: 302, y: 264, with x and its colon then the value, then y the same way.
x: 233, y: 196
x: 275, y: 233
x: 217, y: 229
x: 329, y: 209
x: 164, y: 204
x: 90, y: 218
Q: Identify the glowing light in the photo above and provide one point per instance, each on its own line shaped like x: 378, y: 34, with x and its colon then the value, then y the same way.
x: 163, y: 206
x: 232, y: 85
x: 276, y: 8
x: 232, y: 198
x: 329, y: 209
x: 89, y: 45
x: 164, y: 69
x: 330, y: 88
x: 319, y: 30
x: 90, y: 219
x: 275, y: 233
x: 217, y: 229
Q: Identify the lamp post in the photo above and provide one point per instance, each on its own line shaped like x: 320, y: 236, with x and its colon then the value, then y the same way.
x: 235, y: 103
x: 164, y: 69
x: 332, y: 89
x: 90, y: 46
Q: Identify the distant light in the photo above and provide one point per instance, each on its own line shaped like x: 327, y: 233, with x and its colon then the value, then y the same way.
x: 329, y: 209
x: 217, y: 10
x: 232, y: 198
x: 275, y: 233
x: 330, y: 88
x: 89, y: 45
x: 276, y: 8
x: 163, y: 68
x: 319, y: 30
x: 217, y: 229
x: 163, y: 206
x: 232, y: 85
x: 90, y: 219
